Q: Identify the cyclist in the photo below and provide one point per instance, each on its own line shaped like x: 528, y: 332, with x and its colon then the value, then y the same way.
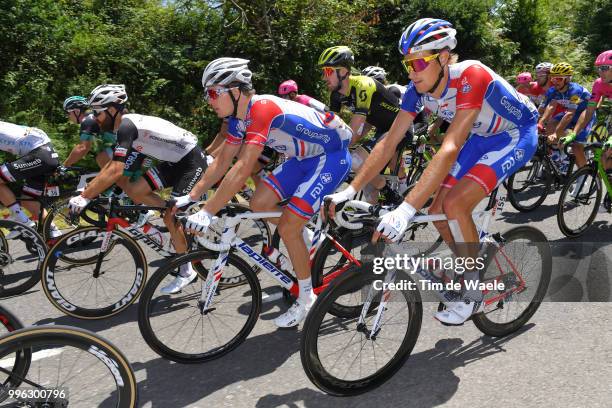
x: 543, y: 84
x: 492, y: 134
x: 379, y: 74
x: 317, y: 147
x: 139, y: 136
x: 289, y: 90
x: 574, y: 99
x: 371, y: 103
x: 36, y: 159
x: 602, y: 89
x: 76, y: 110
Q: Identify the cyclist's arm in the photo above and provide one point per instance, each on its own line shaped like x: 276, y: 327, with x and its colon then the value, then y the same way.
x: 216, y: 170
x: 235, y: 178
x: 585, y: 117
x: 550, y: 108
x: 432, y: 132
x: 78, y: 152
x: 358, y: 123
x: 567, y: 118
x: 383, y: 150
x: 439, y: 166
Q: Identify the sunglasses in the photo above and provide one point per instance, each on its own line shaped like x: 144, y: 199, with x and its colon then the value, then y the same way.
x: 97, y: 112
x: 603, y: 68
x: 212, y: 94
x: 328, y: 71
x: 418, y: 64
x: 558, y: 79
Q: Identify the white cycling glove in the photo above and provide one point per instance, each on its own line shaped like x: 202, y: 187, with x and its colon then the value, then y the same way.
x: 199, y: 222
x: 76, y: 204
x: 184, y: 201
x: 342, y: 196
x: 393, y: 224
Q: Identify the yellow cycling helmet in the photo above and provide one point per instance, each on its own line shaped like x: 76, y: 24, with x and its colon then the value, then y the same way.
x: 562, y: 69
x: 339, y: 56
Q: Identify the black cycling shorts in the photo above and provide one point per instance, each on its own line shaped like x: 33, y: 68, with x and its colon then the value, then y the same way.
x: 181, y: 176
x: 267, y: 155
x: 33, y: 167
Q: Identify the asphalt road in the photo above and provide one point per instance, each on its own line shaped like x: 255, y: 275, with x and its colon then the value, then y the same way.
x: 562, y: 357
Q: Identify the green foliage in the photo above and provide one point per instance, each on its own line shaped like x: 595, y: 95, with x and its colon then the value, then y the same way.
x: 52, y: 49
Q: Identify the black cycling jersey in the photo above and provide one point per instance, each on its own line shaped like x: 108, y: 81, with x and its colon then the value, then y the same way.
x: 370, y: 98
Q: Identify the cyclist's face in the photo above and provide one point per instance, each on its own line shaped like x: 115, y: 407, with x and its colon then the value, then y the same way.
x: 220, y: 101
x: 73, y: 115
x: 560, y: 82
x: 328, y: 74
x: 606, y: 75
x: 424, y: 79
x: 542, y: 78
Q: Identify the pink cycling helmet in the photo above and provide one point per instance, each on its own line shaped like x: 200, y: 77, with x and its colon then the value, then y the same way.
x: 524, y: 78
x: 605, y: 58
x: 287, y: 87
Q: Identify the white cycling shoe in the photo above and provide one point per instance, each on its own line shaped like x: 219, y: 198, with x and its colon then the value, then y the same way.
x: 457, y: 313
x: 295, y: 315
x: 178, y: 283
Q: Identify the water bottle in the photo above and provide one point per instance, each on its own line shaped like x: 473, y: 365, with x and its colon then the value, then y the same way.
x: 276, y: 257
x: 153, y: 233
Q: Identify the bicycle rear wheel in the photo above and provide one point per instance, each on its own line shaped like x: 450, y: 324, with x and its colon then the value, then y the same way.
x: 529, y: 186
x: 60, y: 356
x: 579, y: 202
x: 176, y: 328
x: 341, y: 356
x: 92, y: 291
x: 20, y: 258
x: 522, y: 261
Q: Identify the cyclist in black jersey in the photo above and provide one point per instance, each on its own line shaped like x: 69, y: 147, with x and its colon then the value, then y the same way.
x: 76, y: 110
x: 371, y: 103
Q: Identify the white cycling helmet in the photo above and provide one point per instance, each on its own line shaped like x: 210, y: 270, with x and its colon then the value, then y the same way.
x: 543, y: 66
x: 377, y: 73
x: 226, y: 71
x: 107, y: 94
x: 427, y: 34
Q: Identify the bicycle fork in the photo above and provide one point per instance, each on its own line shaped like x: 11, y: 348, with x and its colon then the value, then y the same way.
x: 376, y: 323
x: 209, y: 288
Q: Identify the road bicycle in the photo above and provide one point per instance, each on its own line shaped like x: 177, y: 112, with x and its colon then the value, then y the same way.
x: 60, y: 366
x: 98, y: 271
x: 351, y: 355
x: 582, y: 195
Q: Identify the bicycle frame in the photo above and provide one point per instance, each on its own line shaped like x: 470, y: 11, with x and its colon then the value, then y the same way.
x: 229, y: 240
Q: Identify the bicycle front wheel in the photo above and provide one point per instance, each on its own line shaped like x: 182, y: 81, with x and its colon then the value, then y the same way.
x: 69, y: 367
x: 177, y: 328
x: 579, y: 202
x: 342, y: 356
x: 99, y: 289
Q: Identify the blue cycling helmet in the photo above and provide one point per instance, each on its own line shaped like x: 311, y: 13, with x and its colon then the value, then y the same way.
x: 427, y: 34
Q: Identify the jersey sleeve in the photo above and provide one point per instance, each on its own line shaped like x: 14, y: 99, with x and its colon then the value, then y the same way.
x: 335, y: 102
x: 235, y: 131
x: 261, y: 117
x: 472, y: 87
x: 364, y: 91
x: 89, y: 128
x: 576, y: 98
x: 411, y: 102
x: 126, y: 134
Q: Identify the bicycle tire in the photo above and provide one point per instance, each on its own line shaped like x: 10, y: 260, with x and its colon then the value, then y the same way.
x: 315, y: 370
x: 533, y: 168
x: 119, y: 369
x: 538, y: 240
x: 561, y: 208
x: 51, y: 270
x: 147, y: 303
x: 21, y: 359
x: 11, y: 254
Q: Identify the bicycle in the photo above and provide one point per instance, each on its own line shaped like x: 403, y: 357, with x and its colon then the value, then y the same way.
x: 583, y: 189
x: 390, y: 320
x: 98, y: 271
x: 531, y: 184
x: 20, y: 258
x: 42, y: 367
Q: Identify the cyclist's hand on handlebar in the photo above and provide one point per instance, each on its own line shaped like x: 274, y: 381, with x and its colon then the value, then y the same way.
x: 337, y: 198
x: 541, y: 128
x: 184, y: 201
x: 571, y: 136
x: 76, y: 204
x: 199, y: 222
x: 552, y: 138
x: 394, y: 224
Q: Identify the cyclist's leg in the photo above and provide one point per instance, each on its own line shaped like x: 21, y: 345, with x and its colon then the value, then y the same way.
x: 103, y: 157
x: 581, y: 140
x: 277, y: 186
